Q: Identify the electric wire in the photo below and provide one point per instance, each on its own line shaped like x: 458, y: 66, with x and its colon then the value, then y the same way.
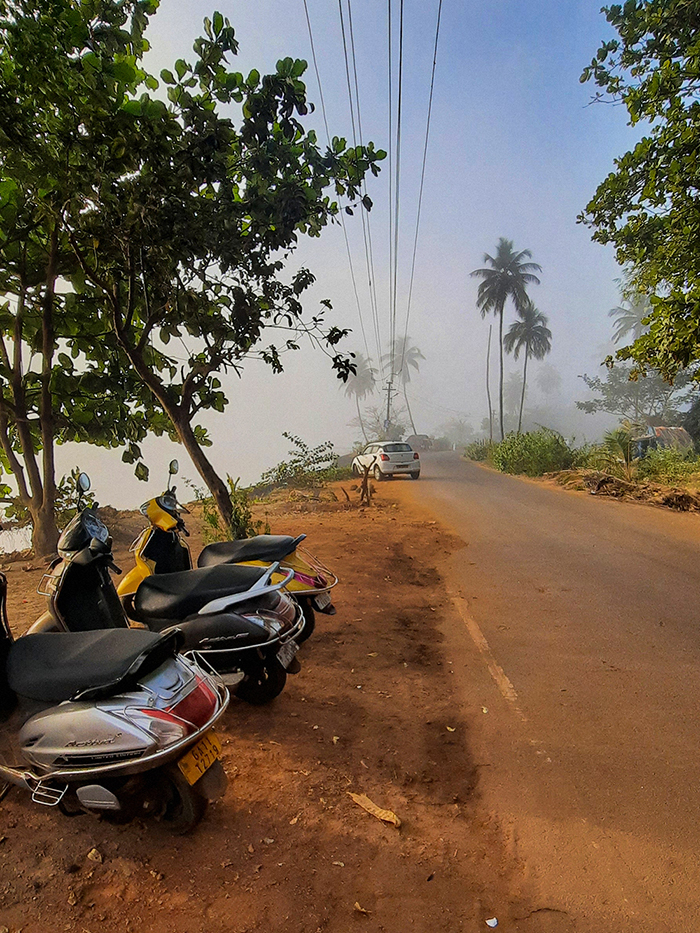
x: 391, y: 185
x: 397, y: 191
x: 422, y: 181
x: 365, y: 220
x: 342, y: 215
x: 367, y: 217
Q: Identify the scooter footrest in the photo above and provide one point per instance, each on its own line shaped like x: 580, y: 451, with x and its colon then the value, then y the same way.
x: 48, y: 794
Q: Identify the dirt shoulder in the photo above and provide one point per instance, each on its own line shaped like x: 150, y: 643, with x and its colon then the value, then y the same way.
x: 374, y: 711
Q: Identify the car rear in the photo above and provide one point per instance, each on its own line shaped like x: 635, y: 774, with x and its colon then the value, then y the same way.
x: 397, y: 458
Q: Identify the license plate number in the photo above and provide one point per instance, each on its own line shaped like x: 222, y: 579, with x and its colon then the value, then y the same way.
x: 285, y: 654
x: 200, y: 758
x: 322, y: 600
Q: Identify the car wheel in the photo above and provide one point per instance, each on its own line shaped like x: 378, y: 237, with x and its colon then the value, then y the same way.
x: 378, y: 475
x: 355, y: 469
x: 415, y: 475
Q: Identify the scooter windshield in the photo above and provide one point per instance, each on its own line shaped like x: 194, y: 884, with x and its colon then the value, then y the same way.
x: 80, y: 531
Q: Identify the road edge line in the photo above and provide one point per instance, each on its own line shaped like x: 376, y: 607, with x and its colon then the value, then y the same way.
x: 499, y: 676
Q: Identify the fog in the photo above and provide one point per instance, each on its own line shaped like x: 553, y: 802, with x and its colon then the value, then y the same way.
x: 516, y: 151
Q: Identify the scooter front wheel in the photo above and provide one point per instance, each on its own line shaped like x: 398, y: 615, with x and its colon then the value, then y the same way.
x: 262, y: 683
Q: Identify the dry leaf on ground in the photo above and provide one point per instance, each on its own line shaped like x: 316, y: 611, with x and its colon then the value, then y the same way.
x: 387, y: 816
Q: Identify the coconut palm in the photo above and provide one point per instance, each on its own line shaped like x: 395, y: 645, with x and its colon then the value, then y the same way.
x: 361, y: 384
x: 507, y: 277
x: 629, y: 317
x: 532, y: 335
x: 404, y: 358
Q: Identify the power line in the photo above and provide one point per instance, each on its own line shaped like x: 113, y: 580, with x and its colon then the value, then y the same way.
x: 342, y: 216
x: 367, y: 217
x: 422, y: 180
x: 397, y: 182
x: 364, y: 220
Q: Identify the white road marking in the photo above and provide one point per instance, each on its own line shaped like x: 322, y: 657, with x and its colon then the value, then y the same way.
x: 500, y: 677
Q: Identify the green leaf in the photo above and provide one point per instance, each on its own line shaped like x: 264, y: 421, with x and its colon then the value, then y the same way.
x: 141, y: 472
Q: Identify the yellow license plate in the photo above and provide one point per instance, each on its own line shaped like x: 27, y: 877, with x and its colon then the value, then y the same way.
x: 200, y: 758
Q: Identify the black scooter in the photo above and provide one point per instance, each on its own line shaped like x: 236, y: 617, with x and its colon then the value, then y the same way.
x: 235, y: 618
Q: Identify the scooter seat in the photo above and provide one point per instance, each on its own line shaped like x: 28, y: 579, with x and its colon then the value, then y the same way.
x: 261, y: 547
x: 175, y: 596
x: 60, y: 666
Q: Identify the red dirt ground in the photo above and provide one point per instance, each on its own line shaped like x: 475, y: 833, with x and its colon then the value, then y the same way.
x: 373, y: 711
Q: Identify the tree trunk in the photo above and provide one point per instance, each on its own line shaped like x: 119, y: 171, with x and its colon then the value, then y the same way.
x: 359, y: 418
x: 488, y: 385
x: 214, y: 483
x: 408, y: 408
x: 45, y: 532
x: 522, y: 397
x: 500, y: 375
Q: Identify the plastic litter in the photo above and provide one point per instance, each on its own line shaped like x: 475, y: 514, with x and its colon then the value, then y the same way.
x: 493, y: 922
x: 387, y: 816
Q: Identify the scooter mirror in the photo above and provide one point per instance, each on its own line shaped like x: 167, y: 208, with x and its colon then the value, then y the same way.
x: 83, y: 482
x: 173, y: 468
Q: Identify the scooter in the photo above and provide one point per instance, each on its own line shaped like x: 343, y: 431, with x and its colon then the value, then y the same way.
x: 161, y: 548
x: 115, y: 723
x: 235, y: 618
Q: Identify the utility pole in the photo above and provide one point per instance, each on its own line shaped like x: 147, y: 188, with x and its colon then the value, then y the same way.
x: 389, y: 393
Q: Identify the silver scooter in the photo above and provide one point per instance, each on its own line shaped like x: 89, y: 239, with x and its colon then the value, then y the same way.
x: 113, y: 722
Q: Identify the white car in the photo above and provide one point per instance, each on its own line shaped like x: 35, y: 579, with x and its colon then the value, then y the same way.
x: 387, y: 459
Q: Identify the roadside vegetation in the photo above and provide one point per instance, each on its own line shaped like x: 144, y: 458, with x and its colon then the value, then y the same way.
x: 537, y: 453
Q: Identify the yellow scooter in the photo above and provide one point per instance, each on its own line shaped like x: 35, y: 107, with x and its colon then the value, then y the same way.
x: 161, y: 548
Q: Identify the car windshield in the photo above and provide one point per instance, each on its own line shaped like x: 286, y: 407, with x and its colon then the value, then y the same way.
x: 395, y: 448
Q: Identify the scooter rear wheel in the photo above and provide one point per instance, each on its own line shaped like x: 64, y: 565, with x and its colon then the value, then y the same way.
x: 262, y: 683
x: 309, y: 619
x: 184, y: 806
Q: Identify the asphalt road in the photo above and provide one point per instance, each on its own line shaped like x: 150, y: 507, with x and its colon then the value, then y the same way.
x: 577, y: 643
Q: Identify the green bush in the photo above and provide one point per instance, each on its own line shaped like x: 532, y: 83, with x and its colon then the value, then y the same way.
x: 243, y: 525
x: 306, y: 466
x: 478, y: 450
x: 533, y: 453
x: 669, y: 465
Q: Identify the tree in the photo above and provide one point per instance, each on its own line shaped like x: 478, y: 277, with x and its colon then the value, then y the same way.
x: 531, y: 335
x: 360, y: 384
x: 375, y: 424
x: 407, y: 357
x: 193, y: 236
x: 507, y: 276
x: 650, y: 399
x: 47, y: 150
x: 630, y: 317
x: 648, y: 208
x: 548, y: 380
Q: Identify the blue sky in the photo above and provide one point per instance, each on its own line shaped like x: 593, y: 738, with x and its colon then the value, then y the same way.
x: 516, y: 150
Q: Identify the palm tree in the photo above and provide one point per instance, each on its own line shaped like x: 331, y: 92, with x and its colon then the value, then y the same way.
x: 506, y: 278
x: 405, y: 357
x: 361, y: 384
x: 629, y: 317
x: 532, y: 335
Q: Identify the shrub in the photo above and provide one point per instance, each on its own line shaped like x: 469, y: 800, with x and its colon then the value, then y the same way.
x: 669, y: 465
x: 533, y: 453
x: 306, y: 466
x: 243, y: 525
x: 478, y: 450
